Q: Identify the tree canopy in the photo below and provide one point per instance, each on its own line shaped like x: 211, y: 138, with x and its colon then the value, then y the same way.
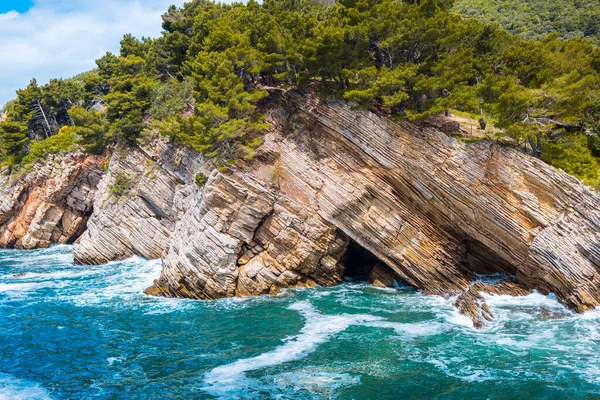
x: 201, y: 81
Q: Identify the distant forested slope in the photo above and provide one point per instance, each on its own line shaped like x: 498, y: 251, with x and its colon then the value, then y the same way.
x: 532, y: 19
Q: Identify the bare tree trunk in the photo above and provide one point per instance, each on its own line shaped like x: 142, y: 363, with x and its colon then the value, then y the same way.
x: 536, y: 148
x: 41, y: 110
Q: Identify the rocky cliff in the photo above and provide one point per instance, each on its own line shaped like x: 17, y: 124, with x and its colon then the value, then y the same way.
x: 435, y: 212
x: 50, y: 203
x: 333, y: 191
x: 141, y: 197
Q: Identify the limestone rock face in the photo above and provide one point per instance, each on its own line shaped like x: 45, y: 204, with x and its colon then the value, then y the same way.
x: 50, y: 203
x: 139, y: 200
x: 242, y: 240
x: 433, y: 210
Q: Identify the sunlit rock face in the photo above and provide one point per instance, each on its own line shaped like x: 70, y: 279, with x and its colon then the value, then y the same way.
x: 48, y: 203
x: 140, y: 198
x: 433, y: 212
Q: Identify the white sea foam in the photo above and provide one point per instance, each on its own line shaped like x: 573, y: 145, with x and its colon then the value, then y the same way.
x: 12, y: 388
x: 53, y: 255
x: 71, y: 273
x: 411, y: 329
x: 464, y: 373
x: 315, y: 381
x: 123, y: 280
x: 227, y: 379
x: 112, y: 360
x: 23, y: 287
x: 510, y: 308
x: 454, y: 317
x: 532, y: 300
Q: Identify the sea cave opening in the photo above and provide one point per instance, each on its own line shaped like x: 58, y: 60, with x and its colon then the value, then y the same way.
x: 360, y: 265
x: 358, y: 262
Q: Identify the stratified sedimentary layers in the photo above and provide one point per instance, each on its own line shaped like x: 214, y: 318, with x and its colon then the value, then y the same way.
x: 433, y: 210
x: 49, y: 203
x: 139, y: 200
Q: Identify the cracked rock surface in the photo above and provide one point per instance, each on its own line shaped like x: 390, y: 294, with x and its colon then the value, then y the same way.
x: 140, y: 198
x: 433, y: 210
x: 50, y: 203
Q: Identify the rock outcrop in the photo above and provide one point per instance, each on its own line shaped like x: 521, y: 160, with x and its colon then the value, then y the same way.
x: 434, y: 212
x: 50, y: 203
x: 472, y: 304
x: 139, y: 200
x: 423, y: 208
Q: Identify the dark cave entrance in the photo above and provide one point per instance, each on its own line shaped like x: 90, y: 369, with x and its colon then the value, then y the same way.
x: 358, y: 262
x: 360, y: 265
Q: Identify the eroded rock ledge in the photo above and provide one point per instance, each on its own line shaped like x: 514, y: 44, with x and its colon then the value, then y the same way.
x: 432, y: 211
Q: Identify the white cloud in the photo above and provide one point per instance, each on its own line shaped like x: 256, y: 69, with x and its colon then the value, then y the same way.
x: 61, y: 38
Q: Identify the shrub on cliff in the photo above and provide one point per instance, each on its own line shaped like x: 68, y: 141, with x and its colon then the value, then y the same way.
x: 201, y: 179
x: 13, y: 136
x: 121, y: 186
x: 64, y: 141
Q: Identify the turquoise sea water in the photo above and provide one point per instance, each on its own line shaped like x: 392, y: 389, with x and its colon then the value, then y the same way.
x: 71, y: 332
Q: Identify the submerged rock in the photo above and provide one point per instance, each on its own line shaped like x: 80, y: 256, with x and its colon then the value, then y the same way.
x: 472, y: 304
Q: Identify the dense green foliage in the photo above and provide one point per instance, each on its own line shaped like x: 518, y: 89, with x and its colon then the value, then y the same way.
x: 201, y: 81
x: 64, y: 140
x: 533, y: 19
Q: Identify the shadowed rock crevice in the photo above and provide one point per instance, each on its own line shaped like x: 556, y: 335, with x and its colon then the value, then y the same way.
x: 358, y: 262
x: 482, y: 260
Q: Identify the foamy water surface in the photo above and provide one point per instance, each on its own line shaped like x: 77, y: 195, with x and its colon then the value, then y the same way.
x: 72, y: 332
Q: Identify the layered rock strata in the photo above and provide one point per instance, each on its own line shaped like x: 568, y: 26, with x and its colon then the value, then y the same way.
x: 139, y: 200
x: 433, y: 210
x: 50, y: 203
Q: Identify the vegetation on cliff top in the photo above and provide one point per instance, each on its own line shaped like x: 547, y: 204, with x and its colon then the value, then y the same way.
x: 201, y: 80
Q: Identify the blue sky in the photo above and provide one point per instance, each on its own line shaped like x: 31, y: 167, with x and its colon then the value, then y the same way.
x: 15, y: 5
x: 46, y: 39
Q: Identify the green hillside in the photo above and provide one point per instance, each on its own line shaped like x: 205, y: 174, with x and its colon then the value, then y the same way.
x: 532, y: 19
